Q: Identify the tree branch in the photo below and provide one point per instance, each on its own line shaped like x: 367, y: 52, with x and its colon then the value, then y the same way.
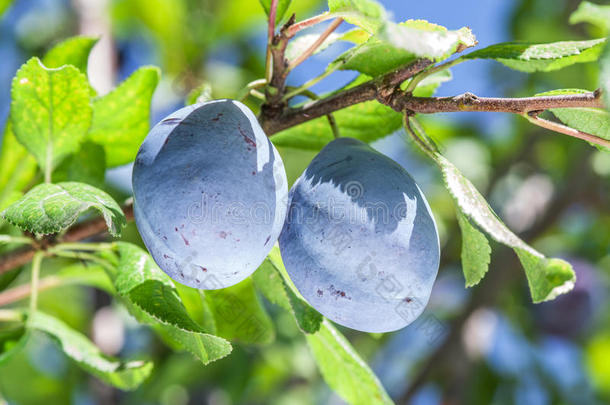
x: 471, y: 102
x: 385, y: 90
x: 380, y: 88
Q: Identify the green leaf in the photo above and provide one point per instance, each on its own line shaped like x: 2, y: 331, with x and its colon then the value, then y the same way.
x: 163, y: 303
x: 197, y: 307
x: 239, y: 314
x: 373, y: 58
x: 343, y: 370
x: 476, y: 252
x: 205, y: 347
x: 528, y: 57
x: 50, y: 111
x: 124, y: 375
x: 73, y: 51
x: 17, y: 168
x: 269, y: 280
x: 399, y: 44
x: 282, y: 6
x: 365, y: 121
x: 427, y: 40
x: 88, y: 165
x: 151, y: 297
x: 135, y: 267
x: 145, y: 285
x: 121, y: 119
x: 595, y: 14
x: 50, y: 208
x: 366, y: 14
x: 547, y: 278
x: 594, y: 121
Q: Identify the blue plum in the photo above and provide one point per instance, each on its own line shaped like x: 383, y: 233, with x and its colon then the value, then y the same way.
x: 360, y: 242
x: 210, y: 194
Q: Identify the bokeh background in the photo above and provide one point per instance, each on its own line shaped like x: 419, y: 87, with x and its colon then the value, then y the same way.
x: 486, y: 344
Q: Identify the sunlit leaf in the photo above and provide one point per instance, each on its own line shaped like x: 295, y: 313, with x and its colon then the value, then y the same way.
x: 50, y: 111
x: 476, y: 252
x: 121, y: 119
x: 367, y: 14
x: 427, y: 40
x: 343, y: 369
x: 282, y: 6
x: 73, y: 51
x: 399, y: 44
x: 596, y: 14
x: 17, y: 168
x: 547, y: 278
x: 528, y: 57
x: 50, y: 208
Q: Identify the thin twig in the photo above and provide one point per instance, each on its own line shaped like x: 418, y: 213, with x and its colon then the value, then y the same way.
x: 310, y: 22
x: 270, y: 35
x: 333, y: 126
x: 563, y: 129
x: 313, y: 47
x: 23, y: 291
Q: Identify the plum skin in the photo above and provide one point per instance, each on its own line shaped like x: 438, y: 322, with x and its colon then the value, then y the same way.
x: 360, y: 242
x: 210, y: 194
